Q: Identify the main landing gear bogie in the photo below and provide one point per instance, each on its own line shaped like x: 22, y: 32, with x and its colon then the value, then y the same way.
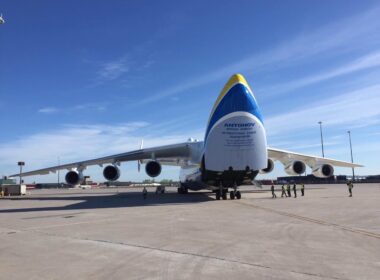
x: 235, y: 194
x: 182, y: 190
x: 223, y: 192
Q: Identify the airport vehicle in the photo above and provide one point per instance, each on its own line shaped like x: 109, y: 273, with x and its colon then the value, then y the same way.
x: 233, y: 152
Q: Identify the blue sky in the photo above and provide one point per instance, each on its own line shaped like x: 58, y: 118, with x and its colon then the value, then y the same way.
x: 81, y: 79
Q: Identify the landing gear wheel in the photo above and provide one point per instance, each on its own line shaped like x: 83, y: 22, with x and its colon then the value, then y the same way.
x: 224, y: 195
x: 238, y: 195
x: 182, y: 190
x: 217, y: 195
x: 232, y: 195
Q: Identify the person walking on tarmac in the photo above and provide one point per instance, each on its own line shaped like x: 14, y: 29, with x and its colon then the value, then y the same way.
x: 288, y: 190
x: 350, y: 187
x: 145, y: 193
x: 295, y: 190
x: 273, y: 194
x: 302, y: 189
x: 283, y: 191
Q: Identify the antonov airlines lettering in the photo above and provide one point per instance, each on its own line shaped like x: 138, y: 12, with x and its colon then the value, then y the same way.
x: 233, y: 152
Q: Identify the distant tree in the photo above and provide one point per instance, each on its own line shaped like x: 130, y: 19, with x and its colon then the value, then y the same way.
x: 148, y: 181
x: 166, y: 182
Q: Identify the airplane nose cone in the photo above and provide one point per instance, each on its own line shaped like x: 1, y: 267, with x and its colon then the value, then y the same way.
x: 236, y: 96
x: 235, y: 136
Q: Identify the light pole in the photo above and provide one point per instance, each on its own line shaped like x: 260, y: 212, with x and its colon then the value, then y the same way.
x: 59, y: 163
x: 320, y: 128
x: 352, y: 158
x: 21, y: 164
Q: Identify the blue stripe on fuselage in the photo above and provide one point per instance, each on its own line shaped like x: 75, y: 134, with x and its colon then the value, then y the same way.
x: 238, y: 99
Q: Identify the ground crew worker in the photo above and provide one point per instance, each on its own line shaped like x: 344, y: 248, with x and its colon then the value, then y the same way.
x: 350, y: 187
x: 145, y: 193
x: 288, y: 190
x: 295, y: 190
x: 273, y: 194
x: 283, y: 191
x: 302, y: 189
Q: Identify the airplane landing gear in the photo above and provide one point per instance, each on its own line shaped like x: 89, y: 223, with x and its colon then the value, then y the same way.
x: 238, y: 195
x: 222, y: 193
x: 232, y: 195
x: 182, y: 190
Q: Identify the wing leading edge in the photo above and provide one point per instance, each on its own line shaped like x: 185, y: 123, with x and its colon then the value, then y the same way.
x: 285, y: 156
x: 175, y: 153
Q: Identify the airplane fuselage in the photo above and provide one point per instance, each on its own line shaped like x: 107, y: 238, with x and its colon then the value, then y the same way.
x: 235, y: 146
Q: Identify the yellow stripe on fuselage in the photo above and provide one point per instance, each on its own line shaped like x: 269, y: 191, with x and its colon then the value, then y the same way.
x: 235, y: 79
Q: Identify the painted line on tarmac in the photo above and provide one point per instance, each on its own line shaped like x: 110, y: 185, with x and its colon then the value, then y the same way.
x: 315, y: 221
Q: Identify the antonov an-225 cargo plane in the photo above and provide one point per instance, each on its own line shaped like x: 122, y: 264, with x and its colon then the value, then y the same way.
x: 233, y: 152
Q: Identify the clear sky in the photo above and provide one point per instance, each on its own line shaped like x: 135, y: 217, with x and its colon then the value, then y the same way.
x: 82, y: 79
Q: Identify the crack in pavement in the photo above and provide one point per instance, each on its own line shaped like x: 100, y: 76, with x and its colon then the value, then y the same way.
x: 151, y: 248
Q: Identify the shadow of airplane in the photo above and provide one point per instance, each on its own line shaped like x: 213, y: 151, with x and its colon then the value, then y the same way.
x: 110, y: 200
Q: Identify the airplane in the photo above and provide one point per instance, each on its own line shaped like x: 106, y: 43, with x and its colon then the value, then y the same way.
x: 233, y: 152
x: 2, y: 21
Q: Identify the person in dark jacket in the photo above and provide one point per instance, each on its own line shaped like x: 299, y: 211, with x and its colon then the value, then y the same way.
x: 288, y: 190
x: 272, y: 189
x: 295, y: 190
x: 302, y: 189
x: 145, y: 193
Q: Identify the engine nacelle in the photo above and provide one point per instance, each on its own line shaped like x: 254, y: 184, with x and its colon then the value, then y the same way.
x: 269, y: 168
x: 153, y: 168
x: 323, y: 170
x: 296, y: 167
x: 111, y: 172
x: 74, y: 177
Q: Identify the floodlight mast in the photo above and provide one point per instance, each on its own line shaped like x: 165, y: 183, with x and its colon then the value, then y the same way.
x: 21, y: 164
x: 320, y: 128
x: 352, y: 158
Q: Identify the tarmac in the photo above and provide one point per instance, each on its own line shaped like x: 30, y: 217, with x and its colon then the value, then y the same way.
x: 113, y: 233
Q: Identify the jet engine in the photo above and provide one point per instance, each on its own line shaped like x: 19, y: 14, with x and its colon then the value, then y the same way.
x: 269, y: 168
x: 74, y: 177
x: 111, y: 172
x: 323, y: 170
x: 296, y: 167
x: 153, y: 168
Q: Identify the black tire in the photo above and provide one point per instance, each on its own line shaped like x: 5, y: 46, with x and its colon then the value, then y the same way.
x: 217, y: 195
x: 179, y: 190
x: 232, y: 195
x: 224, y: 195
x: 238, y: 195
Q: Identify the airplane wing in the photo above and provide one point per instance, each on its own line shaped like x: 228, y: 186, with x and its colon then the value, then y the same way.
x: 286, y: 156
x: 171, y: 154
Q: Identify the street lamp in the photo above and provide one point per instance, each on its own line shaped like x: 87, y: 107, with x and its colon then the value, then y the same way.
x: 58, y: 172
x: 352, y: 158
x: 320, y: 128
x: 21, y: 164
